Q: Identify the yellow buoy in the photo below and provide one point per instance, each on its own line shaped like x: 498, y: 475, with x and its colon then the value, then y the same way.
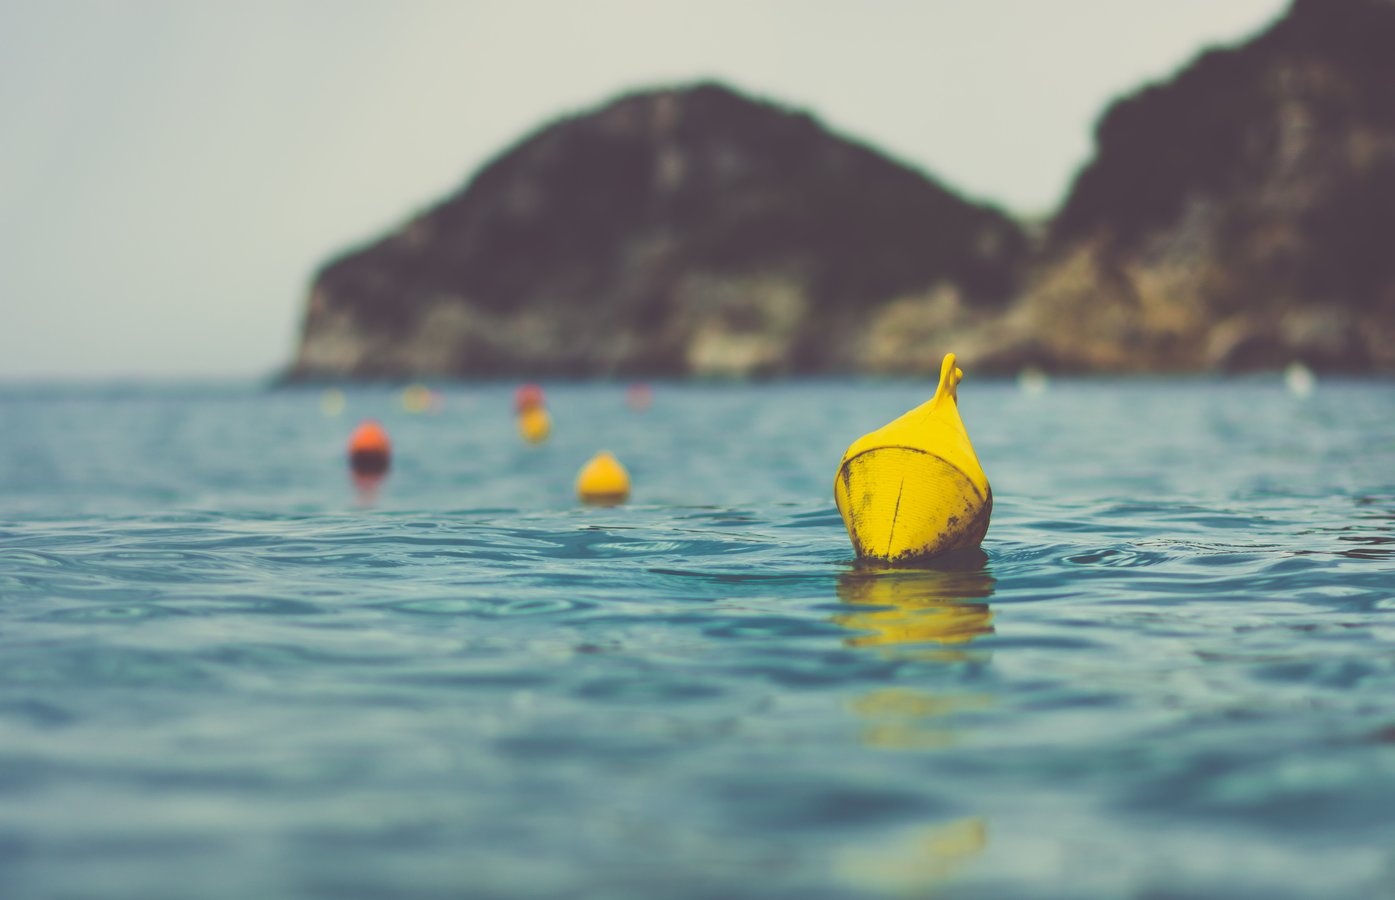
x: 332, y: 402
x: 534, y: 424
x: 914, y: 487
x: 603, y: 481
x: 417, y: 398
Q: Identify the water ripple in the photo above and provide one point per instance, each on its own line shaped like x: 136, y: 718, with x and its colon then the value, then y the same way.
x: 1175, y: 646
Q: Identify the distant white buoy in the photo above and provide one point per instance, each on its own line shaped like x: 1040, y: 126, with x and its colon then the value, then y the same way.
x: 1300, y: 380
x: 1032, y: 381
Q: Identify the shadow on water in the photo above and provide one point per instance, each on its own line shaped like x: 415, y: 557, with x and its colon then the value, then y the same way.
x: 932, y: 614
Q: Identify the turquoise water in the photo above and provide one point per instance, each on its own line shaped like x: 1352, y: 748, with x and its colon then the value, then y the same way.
x: 223, y: 674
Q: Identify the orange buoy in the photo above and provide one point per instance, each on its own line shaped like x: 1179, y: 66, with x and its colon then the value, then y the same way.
x: 369, y: 449
x: 528, y: 396
x: 639, y: 396
x: 603, y: 481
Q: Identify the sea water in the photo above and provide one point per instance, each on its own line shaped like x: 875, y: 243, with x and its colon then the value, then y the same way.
x: 226, y: 672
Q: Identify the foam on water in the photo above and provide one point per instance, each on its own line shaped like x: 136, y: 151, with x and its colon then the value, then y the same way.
x: 1172, y: 672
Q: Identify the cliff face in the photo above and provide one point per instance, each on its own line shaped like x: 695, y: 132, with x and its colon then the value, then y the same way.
x: 1241, y: 215
x: 677, y: 232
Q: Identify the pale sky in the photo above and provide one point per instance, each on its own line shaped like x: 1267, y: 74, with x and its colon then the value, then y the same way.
x: 173, y: 171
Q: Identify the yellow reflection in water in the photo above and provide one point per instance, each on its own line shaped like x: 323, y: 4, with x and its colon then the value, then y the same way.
x: 943, y: 605
x: 917, y: 861
x: 907, y: 719
x: 899, y: 612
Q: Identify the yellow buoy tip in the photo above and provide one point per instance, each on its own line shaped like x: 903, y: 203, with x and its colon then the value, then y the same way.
x: 950, y: 376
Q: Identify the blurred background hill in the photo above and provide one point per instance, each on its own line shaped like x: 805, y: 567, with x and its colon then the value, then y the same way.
x: 203, y: 190
x: 674, y: 232
x: 1238, y: 215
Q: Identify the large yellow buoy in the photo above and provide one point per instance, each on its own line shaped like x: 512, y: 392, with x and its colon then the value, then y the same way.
x: 914, y: 487
x: 603, y: 481
x: 534, y: 424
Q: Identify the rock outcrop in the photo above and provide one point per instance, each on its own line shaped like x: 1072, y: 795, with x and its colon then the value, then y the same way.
x: 674, y: 232
x: 1241, y: 215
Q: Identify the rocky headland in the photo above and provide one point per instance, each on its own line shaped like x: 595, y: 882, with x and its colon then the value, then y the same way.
x: 1238, y: 216
x: 672, y: 232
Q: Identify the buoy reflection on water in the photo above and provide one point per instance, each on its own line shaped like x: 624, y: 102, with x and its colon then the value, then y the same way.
x: 944, y: 603
x: 933, y: 613
x: 917, y: 862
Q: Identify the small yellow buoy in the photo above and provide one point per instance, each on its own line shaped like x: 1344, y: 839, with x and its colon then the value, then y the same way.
x: 534, y: 424
x: 332, y: 402
x: 914, y: 487
x: 416, y: 398
x: 603, y: 481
